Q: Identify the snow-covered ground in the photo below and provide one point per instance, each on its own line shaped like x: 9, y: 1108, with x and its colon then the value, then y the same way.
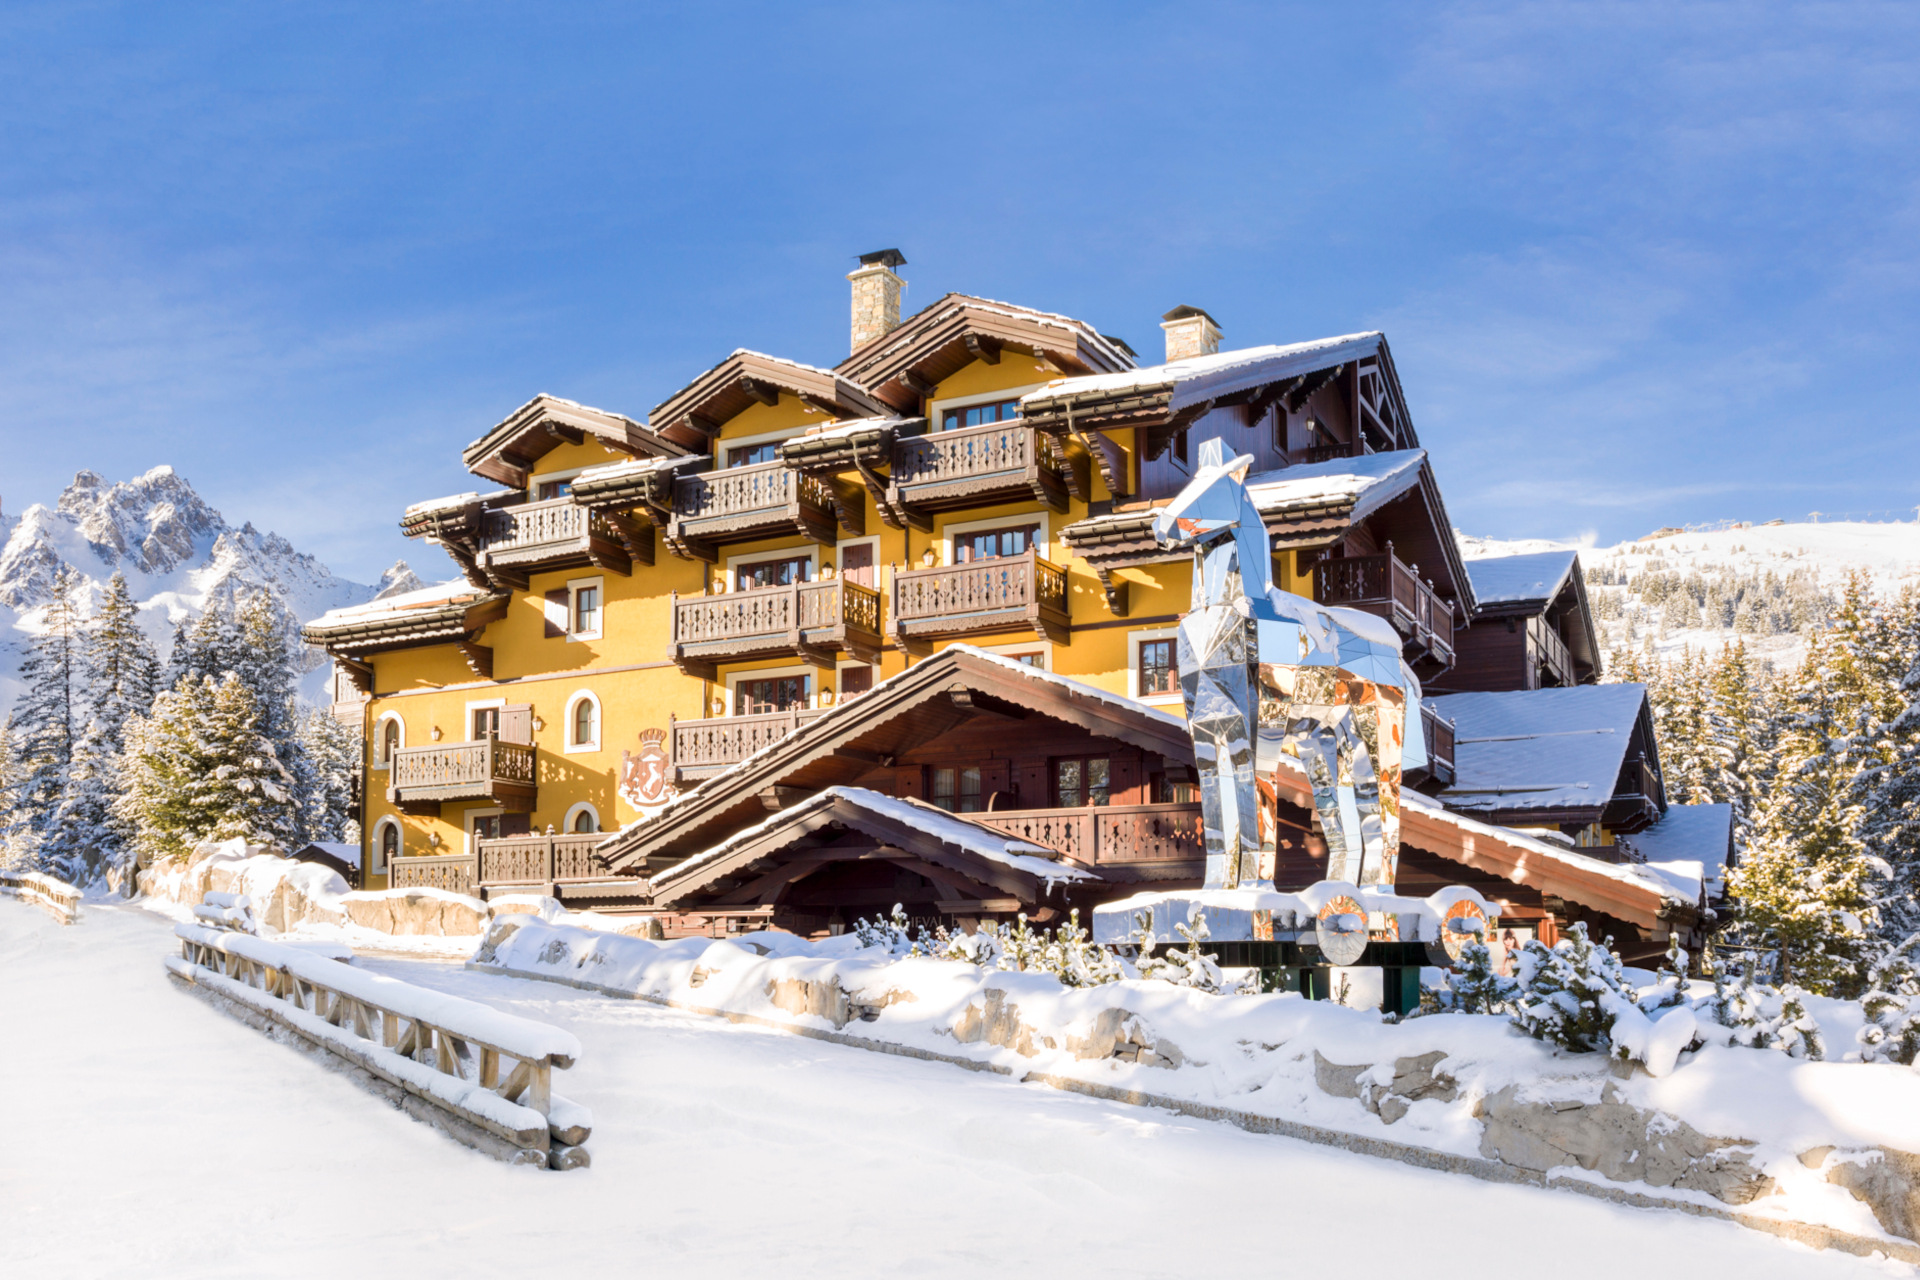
x: 146, y: 1134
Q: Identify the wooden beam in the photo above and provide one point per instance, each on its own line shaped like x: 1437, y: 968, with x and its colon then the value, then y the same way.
x: 984, y: 348
x: 765, y: 392
x: 917, y: 384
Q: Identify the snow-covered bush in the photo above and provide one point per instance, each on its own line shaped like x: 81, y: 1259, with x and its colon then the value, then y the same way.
x: 1191, y: 967
x: 1892, y: 1029
x: 1572, y: 993
x: 1756, y: 1016
x: 1475, y: 987
x: 889, y: 933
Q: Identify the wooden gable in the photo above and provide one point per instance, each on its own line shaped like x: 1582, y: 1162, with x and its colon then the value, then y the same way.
x: 693, y: 416
x: 508, y: 452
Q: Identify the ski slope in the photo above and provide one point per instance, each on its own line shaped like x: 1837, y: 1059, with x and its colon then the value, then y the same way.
x: 149, y: 1135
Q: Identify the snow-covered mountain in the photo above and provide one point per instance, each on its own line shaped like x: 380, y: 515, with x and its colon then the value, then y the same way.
x: 1764, y: 584
x: 179, y: 555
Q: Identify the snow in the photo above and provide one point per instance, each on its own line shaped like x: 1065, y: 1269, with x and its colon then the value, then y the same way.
x: 1519, y: 578
x: 1367, y: 482
x: 637, y: 466
x: 450, y: 592
x: 454, y: 502
x: 786, y: 1155
x: 1209, y: 377
x: 850, y: 427
x: 1689, y: 846
x: 1539, y: 748
x: 347, y: 853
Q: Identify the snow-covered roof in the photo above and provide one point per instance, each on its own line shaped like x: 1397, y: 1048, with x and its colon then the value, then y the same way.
x: 634, y: 467
x: 347, y: 853
x: 1539, y: 748
x: 1019, y: 855
x: 458, y: 591
x: 1209, y: 377
x: 850, y: 427
x: 1521, y: 579
x: 557, y: 402
x: 1689, y: 846
x: 1368, y: 482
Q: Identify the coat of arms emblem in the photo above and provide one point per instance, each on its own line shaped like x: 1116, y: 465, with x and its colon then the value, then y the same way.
x: 644, y: 778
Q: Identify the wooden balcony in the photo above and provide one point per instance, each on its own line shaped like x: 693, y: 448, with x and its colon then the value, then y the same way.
x: 702, y: 748
x: 1331, y: 452
x: 1438, y: 734
x: 766, y: 500
x: 1144, y: 841
x: 452, y: 872
x: 974, y: 466
x: 539, y: 861
x: 555, y: 534
x: 1635, y: 804
x: 421, y: 779
x: 1386, y: 586
x: 1548, y: 657
x: 808, y: 620
x: 1010, y: 593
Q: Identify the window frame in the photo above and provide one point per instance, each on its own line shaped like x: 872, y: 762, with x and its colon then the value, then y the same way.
x: 580, y: 807
x: 736, y: 678
x: 747, y: 559
x: 1136, y: 641
x: 574, y: 587
x: 468, y: 817
x: 937, y: 409
x: 1053, y: 781
x: 480, y: 704
x: 1042, y: 537
x: 962, y: 410
x: 382, y: 759
x: 569, y: 745
x: 378, y: 864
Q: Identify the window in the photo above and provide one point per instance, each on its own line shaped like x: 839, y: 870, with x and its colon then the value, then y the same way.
x: 1159, y: 672
x: 486, y: 723
x: 486, y: 826
x: 855, y: 681
x: 989, y: 544
x: 978, y: 415
x: 1081, y: 782
x: 583, y: 722
x: 389, y: 742
x: 856, y: 563
x: 546, y: 489
x: 387, y: 845
x: 772, y: 573
x: 586, y: 611
x: 1036, y: 659
x: 1163, y: 790
x: 956, y: 790
x: 748, y: 455
x: 582, y: 820
x: 775, y: 693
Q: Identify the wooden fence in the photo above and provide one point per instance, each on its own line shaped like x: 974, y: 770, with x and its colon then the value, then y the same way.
x: 450, y: 871
x: 60, y: 899
x: 446, y: 1060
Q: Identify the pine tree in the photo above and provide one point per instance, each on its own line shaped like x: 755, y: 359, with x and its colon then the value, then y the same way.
x: 331, y: 753
x: 1477, y: 986
x: 253, y: 798
x: 1889, y: 789
x: 123, y: 672
x: 49, y: 715
x: 1747, y: 732
x: 1570, y: 994
x: 266, y: 668
x: 12, y: 831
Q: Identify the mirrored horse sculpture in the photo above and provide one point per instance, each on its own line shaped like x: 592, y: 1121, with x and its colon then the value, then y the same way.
x: 1326, y: 684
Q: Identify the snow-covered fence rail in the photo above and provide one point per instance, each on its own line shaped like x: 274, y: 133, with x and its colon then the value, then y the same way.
x: 482, y: 1076
x: 227, y: 911
x: 61, y: 900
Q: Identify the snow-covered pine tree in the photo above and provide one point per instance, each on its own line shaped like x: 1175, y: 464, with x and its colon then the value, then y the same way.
x: 254, y: 798
x: 169, y: 790
x: 1889, y: 788
x: 1744, y: 713
x: 181, y: 663
x: 1571, y: 993
x: 12, y: 852
x: 50, y: 713
x: 331, y: 753
x: 123, y: 672
x: 1477, y: 986
x: 266, y: 668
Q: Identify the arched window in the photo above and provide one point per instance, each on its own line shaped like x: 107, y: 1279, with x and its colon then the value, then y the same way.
x: 386, y: 845
x: 583, y: 722
x: 586, y: 822
x: 389, y: 738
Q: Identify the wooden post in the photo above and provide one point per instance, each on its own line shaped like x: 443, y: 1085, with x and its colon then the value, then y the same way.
x: 542, y: 1091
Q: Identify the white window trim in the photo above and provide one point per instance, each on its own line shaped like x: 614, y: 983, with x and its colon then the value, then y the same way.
x: 574, y: 586
x: 1134, y: 640
x: 811, y: 551
x: 570, y: 747
x: 839, y: 562
x: 937, y: 408
x: 380, y: 733
x: 377, y: 864
x: 1042, y: 647
x: 725, y: 446
x: 768, y: 673
x: 566, y: 828
x: 466, y: 822
x: 479, y: 704
x: 1044, y: 542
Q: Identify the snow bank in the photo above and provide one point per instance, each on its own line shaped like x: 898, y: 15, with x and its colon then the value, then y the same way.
x: 1730, y: 1126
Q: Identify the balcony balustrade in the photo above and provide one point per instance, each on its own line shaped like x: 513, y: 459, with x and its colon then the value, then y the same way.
x: 702, y: 748
x: 1437, y: 732
x: 543, y: 860
x: 1386, y: 586
x: 1637, y: 793
x: 1023, y: 592
x: 809, y: 620
x: 1144, y: 838
x: 1548, y: 655
x: 423, y: 778
x: 452, y: 872
x: 765, y: 500
x: 974, y: 466
x: 549, y: 535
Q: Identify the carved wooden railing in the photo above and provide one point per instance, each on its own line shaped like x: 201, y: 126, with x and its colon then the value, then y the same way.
x: 1385, y: 585
x: 709, y: 745
x: 488, y: 1075
x: 460, y: 769
x: 1330, y: 452
x: 1109, y: 835
x: 450, y: 871
x: 834, y: 605
x: 1550, y: 650
x: 972, y: 453
x: 542, y: 860
x: 982, y: 595
x: 540, y: 524
x: 741, y: 491
x: 1438, y: 733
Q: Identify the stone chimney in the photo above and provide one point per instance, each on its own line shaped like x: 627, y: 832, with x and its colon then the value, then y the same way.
x: 1190, y: 332
x: 876, y: 296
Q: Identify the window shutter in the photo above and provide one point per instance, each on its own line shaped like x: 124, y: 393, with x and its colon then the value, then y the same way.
x: 558, y: 608
x: 1033, y: 788
x: 995, y: 780
x: 516, y: 724
x: 516, y: 824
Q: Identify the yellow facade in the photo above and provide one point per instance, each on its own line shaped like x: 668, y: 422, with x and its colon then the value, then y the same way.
x: 627, y: 669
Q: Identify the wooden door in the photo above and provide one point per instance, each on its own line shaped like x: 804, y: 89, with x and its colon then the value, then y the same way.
x: 856, y: 563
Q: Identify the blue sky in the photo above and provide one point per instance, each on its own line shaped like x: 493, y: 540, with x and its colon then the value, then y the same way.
x: 1640, y: 264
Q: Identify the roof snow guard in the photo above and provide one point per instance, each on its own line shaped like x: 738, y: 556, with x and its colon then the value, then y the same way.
x: 507, y: 453
x: 693, y: 416
x: 904, y: 365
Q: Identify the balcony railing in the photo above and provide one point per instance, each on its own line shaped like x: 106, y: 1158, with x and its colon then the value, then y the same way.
x: 1330, y: 452
x: 737, y: 503
x: 554, y: 532
x: 804, y: 619
x: 1386, y: 586
x: 486, y: 770
x: 1002, y: 594
x: 540, y: 860
x: 1546, y: 649
x: 702, y: 748
x: 1437, y: 732
x: 943, y: 470
x: 452, y: 872
x: 1131, y: 835
x: 1635, y: 803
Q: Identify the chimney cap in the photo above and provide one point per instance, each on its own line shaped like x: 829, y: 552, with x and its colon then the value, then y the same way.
x: 884, y: 258
x: 1183, y: 311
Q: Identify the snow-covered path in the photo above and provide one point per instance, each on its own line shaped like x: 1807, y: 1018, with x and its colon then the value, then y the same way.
x: 144, y: 1134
